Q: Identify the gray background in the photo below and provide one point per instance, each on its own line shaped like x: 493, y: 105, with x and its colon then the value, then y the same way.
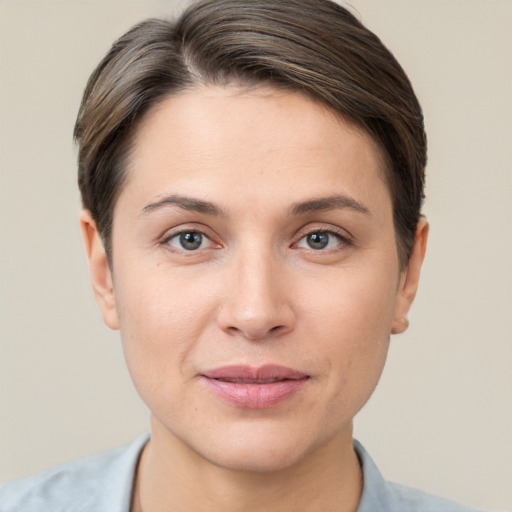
x: 441, y: 418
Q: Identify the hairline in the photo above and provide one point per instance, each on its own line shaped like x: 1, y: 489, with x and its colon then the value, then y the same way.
x: 246, y: 86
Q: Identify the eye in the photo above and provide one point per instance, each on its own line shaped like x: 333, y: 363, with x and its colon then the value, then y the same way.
x: 189, y: 241
x: 319, y: 240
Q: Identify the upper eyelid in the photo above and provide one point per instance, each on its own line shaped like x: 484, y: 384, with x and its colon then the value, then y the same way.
x: 337, y: 231
x: 324, y: 228
x: 342, y: 239
x: 191, y: 228
x: 169, y: 235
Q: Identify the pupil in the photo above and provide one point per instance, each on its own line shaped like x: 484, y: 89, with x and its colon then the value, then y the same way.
x: 190, y: 241
x: 318, y: 240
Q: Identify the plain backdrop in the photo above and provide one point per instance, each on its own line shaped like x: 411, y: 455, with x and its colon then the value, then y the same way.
x: 441, y: 418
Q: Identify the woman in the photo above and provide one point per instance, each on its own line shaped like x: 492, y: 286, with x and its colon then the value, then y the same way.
x: 252, y: 180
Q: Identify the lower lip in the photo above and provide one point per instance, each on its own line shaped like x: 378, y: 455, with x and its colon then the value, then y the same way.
x: 255, y: 396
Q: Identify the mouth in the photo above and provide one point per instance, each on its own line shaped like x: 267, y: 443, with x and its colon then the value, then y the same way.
x: 254, y: 388
x: 252, y: 381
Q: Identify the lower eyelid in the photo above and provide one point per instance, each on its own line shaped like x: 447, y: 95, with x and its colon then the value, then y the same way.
x: 342, y: 240
x: 208, y: 240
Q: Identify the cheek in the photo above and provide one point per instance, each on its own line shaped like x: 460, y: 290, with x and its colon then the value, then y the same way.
x: 352, y: 325
x: 161, y: 320
x: 354, y: 305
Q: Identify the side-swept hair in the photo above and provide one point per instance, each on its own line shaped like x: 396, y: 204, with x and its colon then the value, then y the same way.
x: 315, y: 47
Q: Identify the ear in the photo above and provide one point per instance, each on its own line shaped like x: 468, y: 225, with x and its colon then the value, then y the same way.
x: 99, y: 270
x: 410, y: 278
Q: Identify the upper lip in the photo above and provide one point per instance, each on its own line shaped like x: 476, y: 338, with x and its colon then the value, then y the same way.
x: 249, y: 374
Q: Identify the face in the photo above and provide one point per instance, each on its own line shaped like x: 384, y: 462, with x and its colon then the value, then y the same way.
x: 255, y: 274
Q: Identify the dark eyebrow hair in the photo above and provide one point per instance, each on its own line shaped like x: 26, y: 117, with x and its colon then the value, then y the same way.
x: 186, y: 203
x: 328, y: 203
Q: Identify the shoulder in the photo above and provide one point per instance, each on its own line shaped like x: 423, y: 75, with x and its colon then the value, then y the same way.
x: 414, y: 500
x: 379, y: 495
x: 97, y: 483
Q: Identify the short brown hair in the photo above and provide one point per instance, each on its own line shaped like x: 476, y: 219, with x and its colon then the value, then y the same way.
x: 315, y: 47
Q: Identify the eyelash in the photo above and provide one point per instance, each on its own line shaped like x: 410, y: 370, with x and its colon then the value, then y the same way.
x: 341, y: 236
x: 342, y: 239
x: 166, y: 240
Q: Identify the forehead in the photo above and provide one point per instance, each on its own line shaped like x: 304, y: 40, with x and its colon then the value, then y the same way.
x: 229, y: 106
x: 240, y: 136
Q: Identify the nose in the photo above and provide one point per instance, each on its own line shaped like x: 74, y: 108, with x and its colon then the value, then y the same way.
x: 258, y: 300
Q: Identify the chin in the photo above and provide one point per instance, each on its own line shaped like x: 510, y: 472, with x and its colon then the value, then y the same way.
x: 262, y: 449
x: 261, y: 459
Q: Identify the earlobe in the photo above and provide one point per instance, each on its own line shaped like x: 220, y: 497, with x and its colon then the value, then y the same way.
x: 410, y: 279
x: 99, y: 270
x: 400, y: 325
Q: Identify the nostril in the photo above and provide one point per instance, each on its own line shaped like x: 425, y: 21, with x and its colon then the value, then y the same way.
x: 255, y: 321
x: 257, y: 335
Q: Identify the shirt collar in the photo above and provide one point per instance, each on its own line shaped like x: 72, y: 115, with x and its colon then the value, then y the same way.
x: 375, y: 495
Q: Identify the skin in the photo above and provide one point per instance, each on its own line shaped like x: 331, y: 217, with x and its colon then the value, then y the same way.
x: 255, y: 292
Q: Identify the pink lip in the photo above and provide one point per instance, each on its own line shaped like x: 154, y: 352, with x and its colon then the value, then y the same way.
x: 254, y: 388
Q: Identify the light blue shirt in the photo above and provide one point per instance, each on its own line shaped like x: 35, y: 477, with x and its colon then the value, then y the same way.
x: 103, y: 483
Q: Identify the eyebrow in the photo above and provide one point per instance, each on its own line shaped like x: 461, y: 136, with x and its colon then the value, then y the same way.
x: 337, y: 201
x: 186, y: 203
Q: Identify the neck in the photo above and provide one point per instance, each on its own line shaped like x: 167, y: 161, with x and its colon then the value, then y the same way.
x: 170, y: 476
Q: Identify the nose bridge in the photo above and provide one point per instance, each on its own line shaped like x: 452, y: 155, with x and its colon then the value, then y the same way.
x: 257, y: 305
